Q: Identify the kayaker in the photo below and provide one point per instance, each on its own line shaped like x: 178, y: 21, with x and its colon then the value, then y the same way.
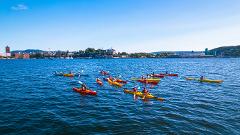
x: 201, y: 78
x: 166, y: 72
x: 134, y: 89
x: 145, y: 92
x: 153, y: 73
x: 84, y: 87
x: 111, y: 78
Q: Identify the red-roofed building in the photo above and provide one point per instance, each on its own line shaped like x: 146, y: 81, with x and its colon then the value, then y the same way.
x: 26, y: 56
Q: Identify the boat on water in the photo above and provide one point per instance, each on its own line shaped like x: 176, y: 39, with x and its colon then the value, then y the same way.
x: 204, y: 80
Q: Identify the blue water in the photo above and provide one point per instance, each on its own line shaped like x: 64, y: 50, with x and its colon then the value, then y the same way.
x: 33, y: 101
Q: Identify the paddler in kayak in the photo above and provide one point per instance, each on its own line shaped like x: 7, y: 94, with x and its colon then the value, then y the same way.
x: 111, y: 78
x: 114, y: 79
x: 201, y: 78
x: 145, y: 92
x: 83, y: 87
x: 134, y: 94
x: 134, y: 89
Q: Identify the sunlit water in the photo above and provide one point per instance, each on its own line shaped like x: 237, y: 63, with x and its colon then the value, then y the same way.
x: 34, y: 101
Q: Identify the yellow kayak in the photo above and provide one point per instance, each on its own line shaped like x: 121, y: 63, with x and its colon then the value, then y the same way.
x: 140, y: 94
x: 114, y: 83
x: 68, y: 75
x: 204, y: 80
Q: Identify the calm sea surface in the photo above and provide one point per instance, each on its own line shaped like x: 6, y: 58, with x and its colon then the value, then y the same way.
x: 34, y: 101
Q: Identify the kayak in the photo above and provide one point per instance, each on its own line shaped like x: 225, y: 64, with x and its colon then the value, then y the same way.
x: 121, y: 81
x: 140, y: 94
x: 104, y: 73
x: 68, y: 75
x: 114, y: 83
x: 157, y: 75
x: 204, y: 80
x: 99, y: 82
x: 168, y: 74
x: 86, y: 92
x: 148, y: 80
x: 117, y: 80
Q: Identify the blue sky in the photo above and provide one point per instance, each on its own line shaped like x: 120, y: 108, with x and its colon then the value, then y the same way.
x: 126, y: 25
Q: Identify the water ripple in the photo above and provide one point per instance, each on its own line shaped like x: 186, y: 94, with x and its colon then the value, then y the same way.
x: 33, y: 101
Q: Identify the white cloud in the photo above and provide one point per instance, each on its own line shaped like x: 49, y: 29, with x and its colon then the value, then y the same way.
x: 19, y: 7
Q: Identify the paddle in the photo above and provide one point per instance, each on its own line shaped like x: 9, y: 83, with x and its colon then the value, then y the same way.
x: 83, y: 83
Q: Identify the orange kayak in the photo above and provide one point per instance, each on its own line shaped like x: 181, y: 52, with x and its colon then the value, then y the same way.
x: 99, y: 82
x: 114, y: 83
x: 86, y: 92
x: 104, y: 73
x: 121, y: 81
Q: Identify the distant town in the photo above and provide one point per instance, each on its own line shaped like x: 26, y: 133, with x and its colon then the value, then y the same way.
x: 228, y: 51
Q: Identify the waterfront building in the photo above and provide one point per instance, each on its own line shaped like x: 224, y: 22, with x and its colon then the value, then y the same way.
x: 190, y: 53
x: 22, y: 56
x: 26, y: 56
x: 7, y: 51
x: 17, y: 55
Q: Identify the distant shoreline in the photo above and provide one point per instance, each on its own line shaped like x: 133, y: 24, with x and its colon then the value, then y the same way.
x: 121, y: 58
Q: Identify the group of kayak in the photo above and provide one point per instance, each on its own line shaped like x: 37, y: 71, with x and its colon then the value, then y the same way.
x: 144, y: 94
x: 151, y: 79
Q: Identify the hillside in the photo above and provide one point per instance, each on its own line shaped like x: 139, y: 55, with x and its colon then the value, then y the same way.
x: 226, y: 51
x: 27, y: 51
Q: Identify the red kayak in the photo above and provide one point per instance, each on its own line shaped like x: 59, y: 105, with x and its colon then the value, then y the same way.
x: 149, y: 81
x: 169, y: 74
x: 157, y: 75
x: 99, y: 82
x: 104, y: 73
x: 85, y: 92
